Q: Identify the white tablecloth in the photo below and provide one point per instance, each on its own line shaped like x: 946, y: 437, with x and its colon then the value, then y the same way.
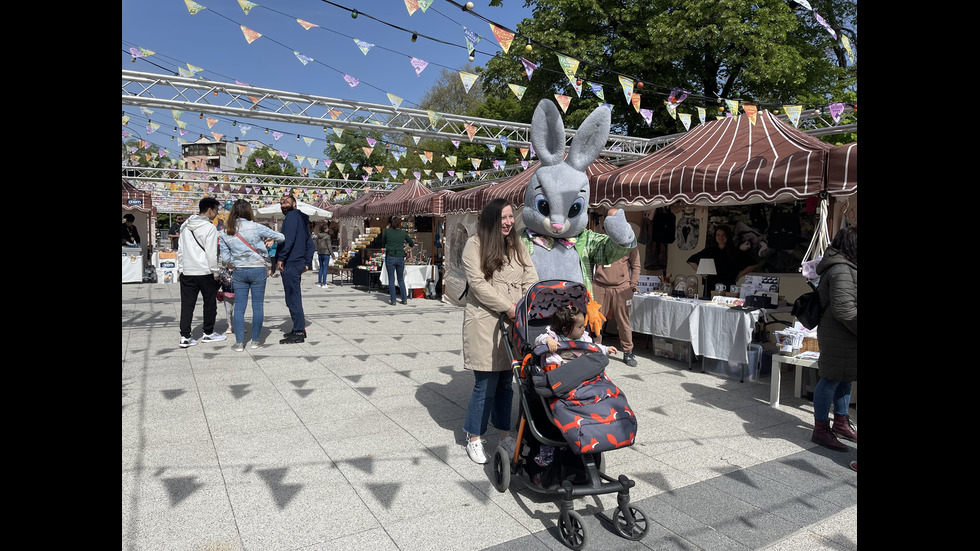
x: 718, y: 332
x: 132, y: 265
x: 415, y: 275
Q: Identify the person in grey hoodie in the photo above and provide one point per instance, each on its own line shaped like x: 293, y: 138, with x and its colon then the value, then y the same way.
x: 837, y: 338
x: 197, y: 264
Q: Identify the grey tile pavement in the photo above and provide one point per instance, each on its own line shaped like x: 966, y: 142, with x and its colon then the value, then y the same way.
x: 353, y: 440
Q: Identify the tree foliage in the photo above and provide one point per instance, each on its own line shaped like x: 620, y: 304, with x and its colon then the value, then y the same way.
x: 768, y: 52
x: 272, y: 164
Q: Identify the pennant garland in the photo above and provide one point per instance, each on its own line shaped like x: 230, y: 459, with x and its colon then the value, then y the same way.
x: 751, y: 111
x: 635, y: 100
x: 569, y: 65
x: 702, y: 114
x: 468, y: 80
x: 563, y: 101
x: 597, y: 90
x: 419, y: 65
x: 302, y: 58
x: 472, y: 39
x: 686, y: 120
x: 433, y: 119
x: 504, y: 37
x: 250, y: 35
x: 424, y: 4
x: 627, y: 88
x: 847, y: 48
x: 306, y: 24
x: 363, y: 46
x: 528, y: 67
x: 836, y: 110
x: 677, y: 95
x: 647, y: 115
x: 351, y: 80
x: 471, y: 131
x: 140, y: 52
x: 411, y: 6
x: 193, y: 7
x: 732, y: 107
x: 518, y: 90
x: 246, y: 5
x: 577, y: 87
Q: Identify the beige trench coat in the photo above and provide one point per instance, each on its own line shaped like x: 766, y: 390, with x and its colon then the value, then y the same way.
x: 484, y: 346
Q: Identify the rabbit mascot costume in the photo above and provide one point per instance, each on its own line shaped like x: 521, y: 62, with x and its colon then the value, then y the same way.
x: 556, y: 204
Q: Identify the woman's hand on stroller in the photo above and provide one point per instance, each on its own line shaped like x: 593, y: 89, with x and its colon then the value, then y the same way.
x: 512, y: 313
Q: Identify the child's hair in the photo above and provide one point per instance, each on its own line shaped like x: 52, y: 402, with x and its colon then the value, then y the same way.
x: 563, y: 320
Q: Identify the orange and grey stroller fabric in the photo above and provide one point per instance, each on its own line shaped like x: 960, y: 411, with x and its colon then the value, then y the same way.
x: 591, y: 412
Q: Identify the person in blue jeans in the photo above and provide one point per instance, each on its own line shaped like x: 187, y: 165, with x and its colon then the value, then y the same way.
x: 242, y: 246
x: 324, y: 246
x: 393, y: 239
x: 295, y: 256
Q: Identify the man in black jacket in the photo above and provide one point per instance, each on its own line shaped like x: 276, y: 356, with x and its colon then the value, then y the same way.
x: 294, y: 257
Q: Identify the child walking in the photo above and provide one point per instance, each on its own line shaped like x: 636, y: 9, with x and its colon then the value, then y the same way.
x: 227, y: 295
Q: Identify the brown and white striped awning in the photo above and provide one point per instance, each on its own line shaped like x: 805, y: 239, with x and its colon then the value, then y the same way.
x: 356, y: 207
x: 511, y: 189
x: 396, y: 202
x: 842, y: 170
x: 725, y: 161
x: 432, y: 204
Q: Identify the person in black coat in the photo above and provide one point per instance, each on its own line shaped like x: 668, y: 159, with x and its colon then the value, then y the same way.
x: 130, y: 235
x: 731, y: 263
x: 837, y: 337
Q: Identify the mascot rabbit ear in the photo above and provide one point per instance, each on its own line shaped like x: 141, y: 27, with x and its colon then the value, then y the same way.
x: 590, y: 138
x: 548, y: 133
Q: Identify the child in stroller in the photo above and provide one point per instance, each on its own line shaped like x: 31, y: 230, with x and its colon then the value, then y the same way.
x: 568, y: 414
x: 567, y: 324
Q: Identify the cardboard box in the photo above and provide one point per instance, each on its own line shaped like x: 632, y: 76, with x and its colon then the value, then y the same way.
x: 673, y: 349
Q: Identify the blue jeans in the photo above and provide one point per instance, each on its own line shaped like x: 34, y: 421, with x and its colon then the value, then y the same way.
x: 291, y: 277
x: 248, y: 280
x: 396, y: 264
x: 322, y: 274
x: 491, y: 401
x: 830, y: 393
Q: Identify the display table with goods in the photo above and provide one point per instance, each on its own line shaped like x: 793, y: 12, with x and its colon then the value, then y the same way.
x: 132, y: 265
x: 368, y: 273
x: 719, y: 329
x: 416, y: 275
x: 797, y: 347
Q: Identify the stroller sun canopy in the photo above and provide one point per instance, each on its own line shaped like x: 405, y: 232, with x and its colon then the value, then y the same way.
x: 540, y: 302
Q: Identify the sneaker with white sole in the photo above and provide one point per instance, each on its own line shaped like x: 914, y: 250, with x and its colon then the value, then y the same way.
x: 255, y: 344
x: 213, y: 337
x: 186, y: 342
x: 239, y: 347
x: 474, y: 449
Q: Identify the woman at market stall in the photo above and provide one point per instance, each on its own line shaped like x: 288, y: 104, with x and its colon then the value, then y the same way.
x: 393, y: 239
x: 242, y: 247
x: 498, y: 273
x: 837, y: 338
x: 731, y: 263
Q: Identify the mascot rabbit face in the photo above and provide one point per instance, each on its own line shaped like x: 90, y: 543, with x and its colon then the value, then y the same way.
x: 557, y: 198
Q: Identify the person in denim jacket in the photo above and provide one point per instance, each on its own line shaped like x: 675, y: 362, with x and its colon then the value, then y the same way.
x: 242, y: 246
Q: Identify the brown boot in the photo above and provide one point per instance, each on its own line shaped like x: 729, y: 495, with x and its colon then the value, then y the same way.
x: 844, y: 428
x: 825, y: 437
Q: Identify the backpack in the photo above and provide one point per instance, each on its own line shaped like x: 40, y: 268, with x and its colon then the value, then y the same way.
x: 807, y: 308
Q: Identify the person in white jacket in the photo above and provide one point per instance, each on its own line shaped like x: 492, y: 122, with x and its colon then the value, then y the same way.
x: 197, y: 264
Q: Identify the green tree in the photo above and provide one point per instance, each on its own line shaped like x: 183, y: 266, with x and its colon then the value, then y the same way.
x: 766, y: 52
x: 271, y: 163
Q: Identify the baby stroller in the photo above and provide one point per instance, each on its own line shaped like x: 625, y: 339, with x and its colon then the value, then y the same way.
x: 560, y: 435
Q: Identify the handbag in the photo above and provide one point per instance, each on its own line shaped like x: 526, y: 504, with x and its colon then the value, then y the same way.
x: 265, y: 259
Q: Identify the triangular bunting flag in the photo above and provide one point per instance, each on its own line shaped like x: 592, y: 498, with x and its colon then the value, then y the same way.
x: 338, y: 131
x: 455, y: 143
x: 504, y: 142
x: 363, y: 46
x: 246, y: 5
x: 424, y: 4
x: 411, y: 6
x: 518, y: 90
x: 193, y: 7
x: 471, y: 39
x: 751, y: 111
x: 686, y: 119
x: 433, y: 118
x: 309, y: 141
x: 211, y: 122
x: 468, y: 80
x: 306, y: 24
x: 250, y: 35
x: 702, y: 114
x: 371, y: 141
x: 302, y: 58
x: 793, y: 112
x: 528, y: 67
x: 576, y: 86
x: 451, y: 159
x: 492, y: 147
x: 563, y: 101
x: 647, y: 115
x: 836, y: 110
x: 627, y: 85
x: 635, y: 100
x: 476, y: 163
x: 523, y: 151
x: 569, y: 65
x: 339, y: 146
x: 367, y: 151
x: 351, y: 80
x: 395, y: 100
x: 504, y: 37
x: 732, y: 107
x: 470, y: 130
x: 597, y: 90
x: 419, y: 65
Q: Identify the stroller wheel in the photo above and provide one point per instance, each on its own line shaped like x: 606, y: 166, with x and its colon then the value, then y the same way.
x: 634, y: 530
x: 572, y: 530
x: 501, y: 469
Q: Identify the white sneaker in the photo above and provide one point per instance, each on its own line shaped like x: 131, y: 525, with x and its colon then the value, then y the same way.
x: 474, y: 449
x: 186, y: 342
x: 255, y: 344
x: 213, y: 337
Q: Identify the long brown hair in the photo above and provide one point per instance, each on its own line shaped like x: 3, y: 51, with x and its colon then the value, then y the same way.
x: 495, y: 248
x: 241, y: 209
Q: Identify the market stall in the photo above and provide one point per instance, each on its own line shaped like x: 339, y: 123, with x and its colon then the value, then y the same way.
x: 140, y: 204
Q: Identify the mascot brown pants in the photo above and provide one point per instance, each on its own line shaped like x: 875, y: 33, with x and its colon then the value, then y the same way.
x: 616, y: 304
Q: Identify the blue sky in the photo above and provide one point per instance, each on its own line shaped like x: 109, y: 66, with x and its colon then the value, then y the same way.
x: 212, y: 39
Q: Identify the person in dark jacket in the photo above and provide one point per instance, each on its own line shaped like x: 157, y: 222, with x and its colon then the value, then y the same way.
x: 837, y: 337
x: 294, y: 256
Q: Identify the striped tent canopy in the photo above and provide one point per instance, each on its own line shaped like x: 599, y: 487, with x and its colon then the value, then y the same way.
x: 396, y: 202
x: 356, y: 207
x: 136, y: 199
x: 514, y: 188
x: 842, y: 170
x: 726, y: 161
x: 431, y: 204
